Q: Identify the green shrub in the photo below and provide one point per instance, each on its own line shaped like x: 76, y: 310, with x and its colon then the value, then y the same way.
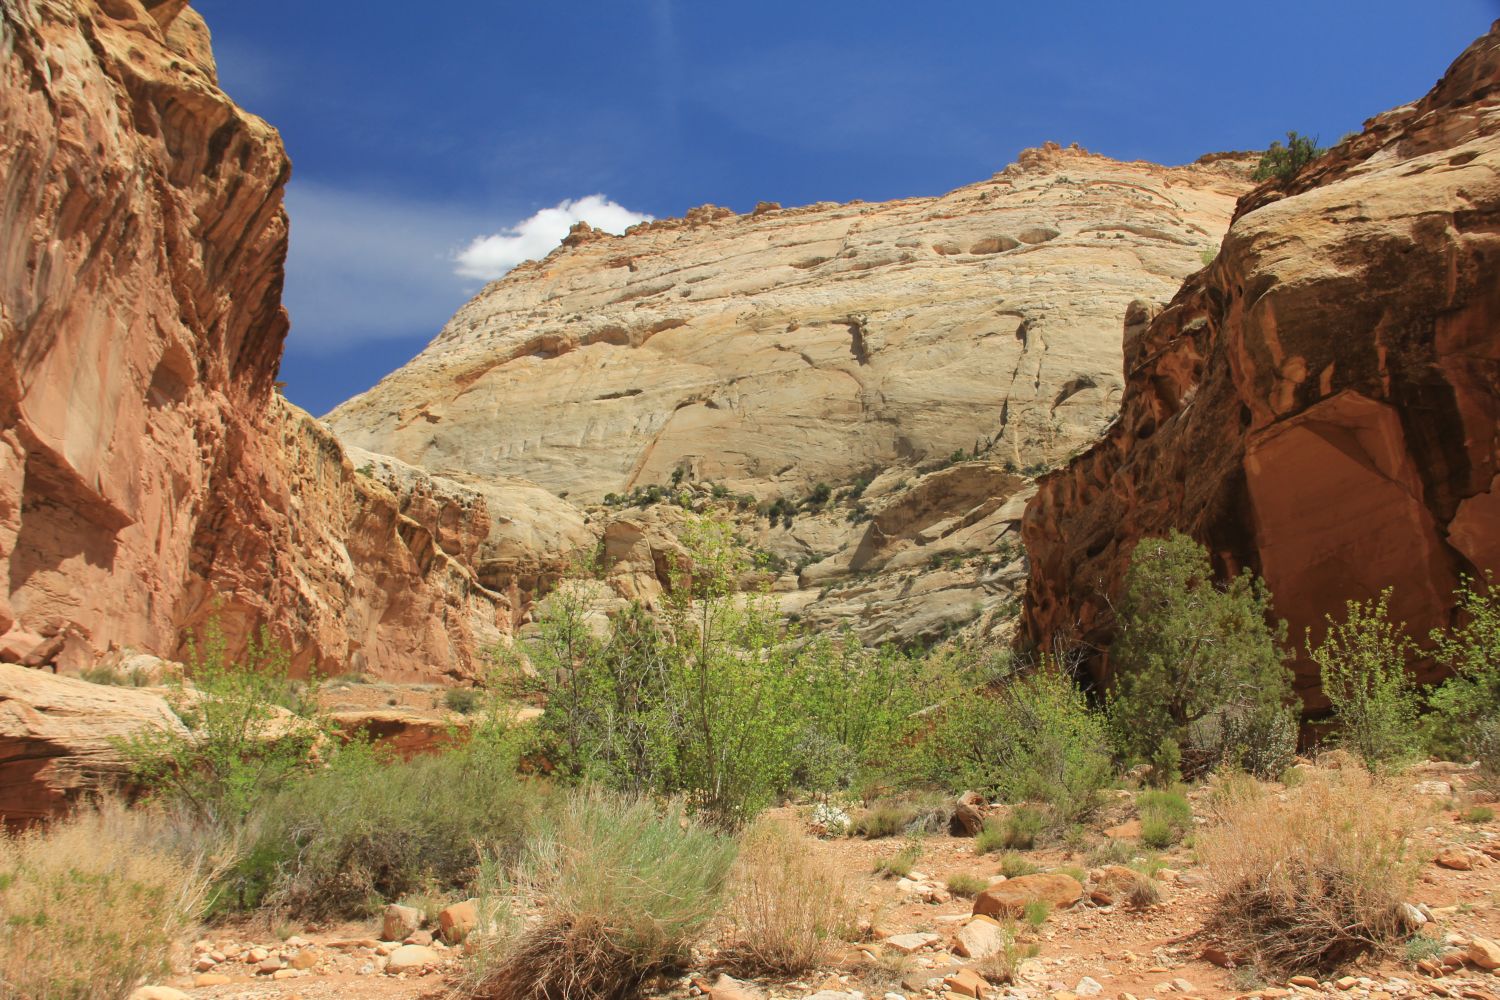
x: 1478, y: 814
x: 1464, y: 705
x: 1012, y: 865
x: 1362, y: 661
x: 1021, y: 828
x: 623, y: 889
x: 366, y: 830
x: 94, y: 903
x: 1197, y: 665
x: 1023, y: 737
x: 910, y: 813
x: 250, y: 730
x: 1285, y: 162
x: 464, y: 701
x: 966, y: 885
x: 1037, y: 911
x: 1165, y: 817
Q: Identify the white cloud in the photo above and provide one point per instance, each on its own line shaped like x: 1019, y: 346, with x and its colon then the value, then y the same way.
x: 488, y: 257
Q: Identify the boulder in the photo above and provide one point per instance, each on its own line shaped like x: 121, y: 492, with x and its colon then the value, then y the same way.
x: 1484, y: 953
x: 411, y: 958
x: 966, y: 982
x: 57, y: 738
x: 399, y: 921
x: 1011, y: 897
x: 456, y: 921
x: 979, y: 938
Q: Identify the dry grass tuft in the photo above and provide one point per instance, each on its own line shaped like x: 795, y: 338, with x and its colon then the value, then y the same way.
x: 92, y: 904
x: 787, y: 909
x: 622, y: 889
x: 1310, y: 883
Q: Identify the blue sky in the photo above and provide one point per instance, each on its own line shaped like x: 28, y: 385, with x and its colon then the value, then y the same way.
x: 416, y: 129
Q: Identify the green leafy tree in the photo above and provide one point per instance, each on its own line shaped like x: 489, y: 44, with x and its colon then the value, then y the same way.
x: 1198, y: 665
x: 1467, y: 705
x: 1362, y: 661
x: 248, y: 729
x: 1285, y: 162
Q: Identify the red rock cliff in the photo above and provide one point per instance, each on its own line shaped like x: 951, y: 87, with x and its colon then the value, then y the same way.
x: 147, y: 465
x: 1322, y: 403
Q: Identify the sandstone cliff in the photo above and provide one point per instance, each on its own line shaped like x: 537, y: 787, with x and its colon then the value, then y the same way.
x: 147, y: 466
x: 859, y: 346
x: 1322, y: 404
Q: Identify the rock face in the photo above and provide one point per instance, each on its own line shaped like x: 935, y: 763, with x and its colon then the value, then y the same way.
x: 772, y: 351
x: 55, y: 738
x: 1322, y: 404
x: 147, y: 467
x: 859, y: 346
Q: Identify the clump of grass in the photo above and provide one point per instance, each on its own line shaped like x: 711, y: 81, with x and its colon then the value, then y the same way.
x: 1478, y: 814
x: 1419, y: 947
x: 1017, y: 830
x: 464, y: 701
x: 1142, y: 893
x: 1111, y: 852
x: 1073, y: 872
x: 93, y: 904
x: 787, y: 909
x: 900, y: 864
x: 1013, y: 865
x: 966, y: 885
x: 1036, y: 913
x: 1001, y: 967
x: 623, y: 889
x: 1165, y: 816
x: 1308, y: 884
x: 907, y: 814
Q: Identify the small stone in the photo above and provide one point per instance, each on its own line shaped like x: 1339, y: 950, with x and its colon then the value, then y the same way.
x: 1305, y: 981
x: 1347, y: 982
x: 158, y: 993
x: 419, y: 937
x: 1455, y: 859
x: 1088, y: 987
x: 304, y: 959
x: 210, y: 979
x: 1182, y: 986
x: 968, y: 983
x: 980, y: 938
x: 204, y: 964
x: 285, y: 974
x: 256, y: 955
x: 728, y: 988
x: 909, y: 943
x: 268, y: 965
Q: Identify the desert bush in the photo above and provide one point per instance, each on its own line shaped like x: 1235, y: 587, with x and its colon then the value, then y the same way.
x: 368, y: 830
x: 464, y: 701
x: 1308, y: 883
x: 93, y: 903
x: 1484, y: 744
x: 1013, y: 865
x: 1284, y: 162
x: 1036, y: 912
x: 1198, y: 667
x: 1019, y: 828
x: 1022, y: 736
x: 911, y: 812
x: 1478, y: 814
x: 967, y: 885
x: 250, y: 730
x: 623, y: 889
x: 1165, y: 816
x: 1362, y: 661
x: 1462, y: 707
x: 1001, y: 967
x: 787, y: 909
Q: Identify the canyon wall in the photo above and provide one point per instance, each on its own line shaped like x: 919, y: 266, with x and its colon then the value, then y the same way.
x: 149, y: 472
x: 1321, y: 405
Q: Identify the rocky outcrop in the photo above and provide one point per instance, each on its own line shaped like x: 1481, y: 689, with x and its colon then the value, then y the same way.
x: 772, y: 351
x: 148, y: 469
x: 57, y: 738
x: 1322, y: 404
x: 914, y: 358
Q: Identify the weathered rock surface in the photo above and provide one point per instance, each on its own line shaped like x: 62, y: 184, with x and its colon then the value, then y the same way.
x: 56, y: 738
x: 147, y: 466
x: 1322, y: 404
x: 771, y: 352
x: 1011, y: 897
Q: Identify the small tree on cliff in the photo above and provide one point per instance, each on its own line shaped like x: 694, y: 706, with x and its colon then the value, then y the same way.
x: 1199, y: 678
x: 1284, y: 162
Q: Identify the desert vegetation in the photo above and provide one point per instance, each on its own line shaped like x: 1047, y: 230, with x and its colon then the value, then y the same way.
x: 625, y: 833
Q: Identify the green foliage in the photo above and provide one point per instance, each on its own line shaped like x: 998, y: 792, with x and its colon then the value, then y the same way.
x: 1019, y: 829
x: 1478, y: 814
x: 1198, y: 667
x: 1165, y: 815
x: 1024, y: 737
x: 1362, y: 661
x: 1013, y: 865
x: 908, y: 813
x: 623, y: 889
x: 1037, y: 911
x: 1468, y: 703
x: 966, y: 885
x: 464, y: 701
x: 368, y: 830
x: 250, y: 729
x: 1285, y: 162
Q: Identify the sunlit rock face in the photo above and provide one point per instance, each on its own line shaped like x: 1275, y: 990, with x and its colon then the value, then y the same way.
x: 148, y: 469
x: 1322, y: 404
